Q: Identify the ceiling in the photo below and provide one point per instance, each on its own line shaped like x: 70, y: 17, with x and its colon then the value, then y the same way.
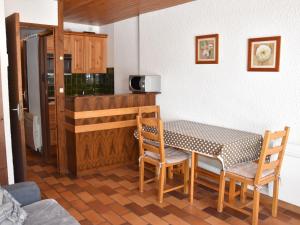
x: 100, y: 12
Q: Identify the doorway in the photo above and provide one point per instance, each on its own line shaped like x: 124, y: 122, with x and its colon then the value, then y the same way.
x: 38, y: 79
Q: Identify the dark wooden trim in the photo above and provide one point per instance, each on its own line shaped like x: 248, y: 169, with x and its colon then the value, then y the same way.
x: 44, y: 97
x: 90, y: 34
x: 216, y: 61
x: 277, y: 60
x: 36, y: 26
x: 59, y: 85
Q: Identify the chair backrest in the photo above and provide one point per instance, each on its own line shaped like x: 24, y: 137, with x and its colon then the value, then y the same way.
x: 265, y: 161
x: 149, y: 111
x: 150, y: 131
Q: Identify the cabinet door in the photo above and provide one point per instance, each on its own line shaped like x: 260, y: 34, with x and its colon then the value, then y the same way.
x: 95, y: 54
x: 77, y: 54
x: 67, y: 44
x: 50, y: 44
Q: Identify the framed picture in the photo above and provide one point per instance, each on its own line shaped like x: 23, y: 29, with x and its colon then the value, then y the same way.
x: 207, y: 49
x: 264, y: 54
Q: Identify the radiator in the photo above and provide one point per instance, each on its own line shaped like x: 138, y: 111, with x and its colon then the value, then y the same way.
x: 33, y: 131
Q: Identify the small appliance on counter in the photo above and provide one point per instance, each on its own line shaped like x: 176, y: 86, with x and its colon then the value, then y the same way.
x: 144, y: 83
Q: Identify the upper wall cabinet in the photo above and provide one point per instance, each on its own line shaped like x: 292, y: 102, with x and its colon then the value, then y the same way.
x: 95, y: 61
x: 89, y: 51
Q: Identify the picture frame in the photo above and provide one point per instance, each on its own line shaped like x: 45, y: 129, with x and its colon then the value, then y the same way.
x: 207, y: 49
x: 264, y: 54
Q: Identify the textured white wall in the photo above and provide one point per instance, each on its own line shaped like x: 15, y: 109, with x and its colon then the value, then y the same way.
x: 224, y: 94
x: 125, y: 52
x: 33, y: 11
x: 5, y: 99
x: 109, y: 30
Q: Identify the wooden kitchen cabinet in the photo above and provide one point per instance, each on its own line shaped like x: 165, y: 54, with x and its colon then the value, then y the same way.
x: 95, y: 57
x: 78, y: 53
x: 67, y: 44
x: 89, y: 53
x: 50, y: 44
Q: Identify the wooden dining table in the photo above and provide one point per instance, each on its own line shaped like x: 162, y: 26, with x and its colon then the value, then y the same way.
x: 229, y: 146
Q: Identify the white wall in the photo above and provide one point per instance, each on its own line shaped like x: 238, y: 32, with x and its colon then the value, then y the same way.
x: 125, y: 52
x: 5, y: 99
x: 33, y: 11
x: 77, y: 27
x: 224, y: 94
x: 109, y: 30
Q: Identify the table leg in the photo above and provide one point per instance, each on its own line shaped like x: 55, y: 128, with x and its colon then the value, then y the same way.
x: 192, y: 178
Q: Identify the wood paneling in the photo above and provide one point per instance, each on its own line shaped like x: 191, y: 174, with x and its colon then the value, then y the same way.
x: 67, y: 44
x: 109, y: 140
x: 60, y: 95
x: 108, y: 11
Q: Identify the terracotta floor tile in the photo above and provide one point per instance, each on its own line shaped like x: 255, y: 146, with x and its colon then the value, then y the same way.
x: 80, y: 205
x: 139, y: 200
x: 235, y: 221
x: 117, y: 208
x: 134, y: 219
x: 69, y: 196
x: 77, y: 215
x: 193, y: 220
x: 158, y: 211
x: 52, y: 194
x: 103, y: 198
x: 112, y: 197
x: 128, y: 185
x: 135, y: 208
x: 93, y: 217
x: 153, y: 219
x: 196, y: 212
x: 174, y: 220
x: 113, y: 218
x: 86, y: 197
x: 177, y: 202
x: 215, y: 221
x: 51, y: 180
x: 120, y: 199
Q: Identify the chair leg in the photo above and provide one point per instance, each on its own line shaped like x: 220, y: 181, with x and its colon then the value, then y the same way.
x: 275, y: 197
x: 142, y: 171
x: 170, y: 172
x: 186, y: 176
x: 221, y: 192
x: 162, y: 175
x: 196, y: 166
x: 243, y: 195
x: 255, y: 206
x: 231, y: 197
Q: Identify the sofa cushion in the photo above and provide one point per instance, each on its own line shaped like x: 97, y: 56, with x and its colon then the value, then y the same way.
x: 31, y: 189
x: 48, y: 212
x: 11, y: 212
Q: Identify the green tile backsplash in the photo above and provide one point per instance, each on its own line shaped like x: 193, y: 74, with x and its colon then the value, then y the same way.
x: 90, y: 84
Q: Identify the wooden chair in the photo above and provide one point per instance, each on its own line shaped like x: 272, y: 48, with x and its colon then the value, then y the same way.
x: 152, y: 151
x: 256, y: 174
x: 149, y: 111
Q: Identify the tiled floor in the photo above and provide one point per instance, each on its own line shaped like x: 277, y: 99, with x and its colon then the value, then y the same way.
x: 113, y: 198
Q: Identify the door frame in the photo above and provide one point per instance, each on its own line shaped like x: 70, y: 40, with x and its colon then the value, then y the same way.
x: 42, y: 82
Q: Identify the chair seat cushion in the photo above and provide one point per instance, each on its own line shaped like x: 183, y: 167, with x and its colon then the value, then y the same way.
x: 171, y: 155
x: 248, y: 170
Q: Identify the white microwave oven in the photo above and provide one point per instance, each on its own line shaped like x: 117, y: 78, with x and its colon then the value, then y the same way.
x: 145, y: 83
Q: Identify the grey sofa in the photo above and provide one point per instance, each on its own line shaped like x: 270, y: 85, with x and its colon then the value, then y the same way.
x: 40, y: 212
